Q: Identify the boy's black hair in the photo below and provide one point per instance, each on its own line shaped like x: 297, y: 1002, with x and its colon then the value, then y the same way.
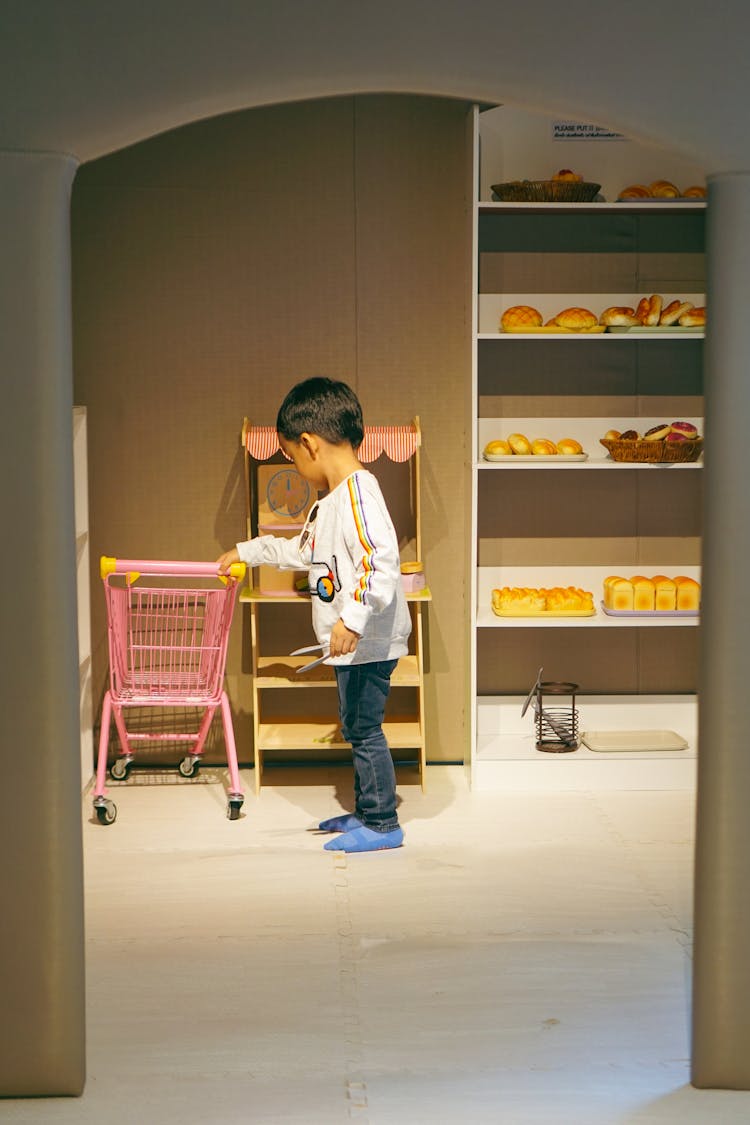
x: 324, y: 407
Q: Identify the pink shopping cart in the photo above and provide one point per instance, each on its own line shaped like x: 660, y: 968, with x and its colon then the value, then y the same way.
x: 167, y: 648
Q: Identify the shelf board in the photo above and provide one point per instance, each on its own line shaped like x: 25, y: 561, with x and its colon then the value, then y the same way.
x: 554, y: 464
x: 251, y: 595
x: 674, y: 206
x: 621, y: 337
x: 281, y: 672
x: 588, y: 578
x: 313, y: 734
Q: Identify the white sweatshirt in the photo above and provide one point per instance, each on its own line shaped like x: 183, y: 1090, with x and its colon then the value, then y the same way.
x: 349, y: 548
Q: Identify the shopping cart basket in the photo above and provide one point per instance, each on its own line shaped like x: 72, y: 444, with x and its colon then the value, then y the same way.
x: 167, y: 648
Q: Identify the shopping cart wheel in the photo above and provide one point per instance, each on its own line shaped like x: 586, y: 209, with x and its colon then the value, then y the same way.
x: 120, y: 769
x: 233, y: 809
x: 106, y: 813
x: 189, y: 766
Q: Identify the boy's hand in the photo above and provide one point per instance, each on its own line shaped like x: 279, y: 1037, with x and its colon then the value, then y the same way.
x: 225, y: 561
x: 343, y: 640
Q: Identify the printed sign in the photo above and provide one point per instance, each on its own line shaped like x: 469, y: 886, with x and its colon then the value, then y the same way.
x: 579, y: 131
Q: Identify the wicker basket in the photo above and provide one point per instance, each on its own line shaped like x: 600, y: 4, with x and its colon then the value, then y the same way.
x: 654, y: 452
x: 545, y: 191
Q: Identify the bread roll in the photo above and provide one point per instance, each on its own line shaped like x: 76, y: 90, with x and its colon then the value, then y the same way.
x: 663, y: 189
x: 673, y: 311
x: 693, y: 318
x: 498, y: 448
x: 414, y: 566
x: 694, y: 192
x: 569, y: 447
x: 619, y: 315
x: 644, y: 593
x: 520, y: 444
x: 688, y: 592
x: 543, y: 447
x: 612, y: 435
x: 520, y: 317
x: 654, y: 310
x: 630, y: 435
x: 576, y: 318
x: 565, y: 176
x: 642, y: 310
x: 666, y: 593
x: 635, y: 191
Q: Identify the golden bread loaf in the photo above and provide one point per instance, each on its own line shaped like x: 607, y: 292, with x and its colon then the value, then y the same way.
x: 520, y: 317
x: 530, y: 599
x: 644, y: 593
x: 688, y: 592
x: 665, y: 596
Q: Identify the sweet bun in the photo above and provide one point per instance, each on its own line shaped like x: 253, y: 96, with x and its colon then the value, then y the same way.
x: 635, y: 191
x: 663, y: 189
x: 694, y: 192
x: 565, y: 176
x: 641, y: 311
x: 621, y: 315
x: 569, y: 447
x: 520, y: 444
x: 630, y: 435
x: 612, y: 435
x: 576, y: 318
x: 497, y: 448
x: 673, y: 311
x: 686, y: 429
x: 693, y: 318
x: 521, y: 316
x: 674, y: 437
x: 657, y: 433
x: 543, y: 447
x: 414, y: 566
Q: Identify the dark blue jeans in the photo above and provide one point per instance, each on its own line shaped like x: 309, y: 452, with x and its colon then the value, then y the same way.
x: 363, y: 691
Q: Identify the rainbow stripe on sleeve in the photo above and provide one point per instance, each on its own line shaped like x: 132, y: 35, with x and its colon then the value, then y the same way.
x: 363, y: 586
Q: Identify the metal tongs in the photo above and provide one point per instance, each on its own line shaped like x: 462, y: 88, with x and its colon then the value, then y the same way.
x: 313, y: 663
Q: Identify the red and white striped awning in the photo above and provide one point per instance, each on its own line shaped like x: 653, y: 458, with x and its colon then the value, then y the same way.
x: 399, y: 443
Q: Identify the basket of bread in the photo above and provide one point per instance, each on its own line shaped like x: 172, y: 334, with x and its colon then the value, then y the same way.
x: 564, y: 187
x: 666, y: 442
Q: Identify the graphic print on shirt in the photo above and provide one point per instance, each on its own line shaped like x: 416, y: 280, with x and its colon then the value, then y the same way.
x: 328, y: 585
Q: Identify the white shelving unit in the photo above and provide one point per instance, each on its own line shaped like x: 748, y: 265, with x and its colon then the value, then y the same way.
x: 623, y: 380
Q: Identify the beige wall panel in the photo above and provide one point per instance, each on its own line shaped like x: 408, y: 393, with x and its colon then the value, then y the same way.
x: 606, y: 663
x: 216, y: 266
x: 414, y: 351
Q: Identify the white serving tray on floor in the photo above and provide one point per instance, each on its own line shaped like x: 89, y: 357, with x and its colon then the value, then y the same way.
x: 628, y: 741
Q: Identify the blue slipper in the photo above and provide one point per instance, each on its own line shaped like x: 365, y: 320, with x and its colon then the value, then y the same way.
x: 364, y: 839
x: 343, y: 823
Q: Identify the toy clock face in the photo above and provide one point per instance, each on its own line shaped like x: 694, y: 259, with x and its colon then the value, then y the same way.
x: 287, y: 493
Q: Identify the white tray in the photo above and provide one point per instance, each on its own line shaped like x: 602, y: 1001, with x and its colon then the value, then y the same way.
x: 627, y: 741
x: 551, y: 457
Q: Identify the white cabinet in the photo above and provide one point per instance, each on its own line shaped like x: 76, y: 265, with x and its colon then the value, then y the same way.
x: 546, y: 522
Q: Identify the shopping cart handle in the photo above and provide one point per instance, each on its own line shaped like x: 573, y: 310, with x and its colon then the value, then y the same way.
x: 172, y: 568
